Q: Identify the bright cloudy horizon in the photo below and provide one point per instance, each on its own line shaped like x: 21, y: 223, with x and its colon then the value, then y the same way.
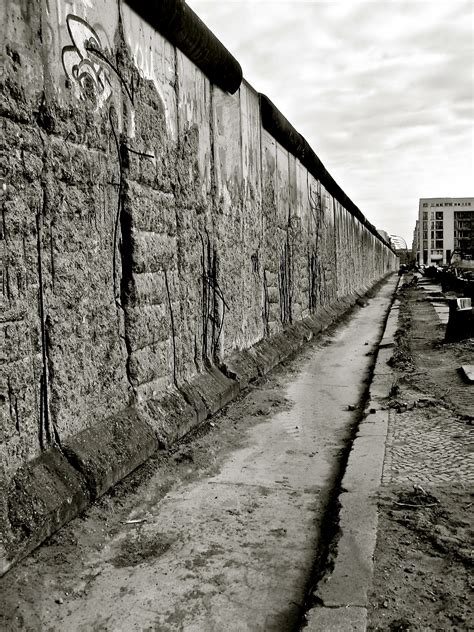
x: 383, y: 91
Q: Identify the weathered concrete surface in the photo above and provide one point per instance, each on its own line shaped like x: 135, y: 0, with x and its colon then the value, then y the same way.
x: 43, y: 495
x: 342, y: 593
x: 365, y: 465
x: 233, y: 550
x: 109, y: 451
x: 345, y: 619
x: 468, y: 372
x: 348, y: 583
x: 151, y: 230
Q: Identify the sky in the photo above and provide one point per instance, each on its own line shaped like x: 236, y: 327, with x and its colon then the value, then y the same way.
x: 383, y: 91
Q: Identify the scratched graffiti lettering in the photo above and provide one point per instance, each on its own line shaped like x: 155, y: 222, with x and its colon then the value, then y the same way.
x: 81, y: 65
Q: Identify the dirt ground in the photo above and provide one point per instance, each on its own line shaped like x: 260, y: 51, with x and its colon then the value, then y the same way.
x: 423, y: 560
x: 424, y: 565
x: 54, y: 573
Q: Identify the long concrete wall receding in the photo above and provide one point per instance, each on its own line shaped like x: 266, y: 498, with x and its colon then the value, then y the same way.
x: 164, y: 231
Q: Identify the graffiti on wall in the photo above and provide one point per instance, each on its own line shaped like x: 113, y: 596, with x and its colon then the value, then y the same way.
x: 81, y: 62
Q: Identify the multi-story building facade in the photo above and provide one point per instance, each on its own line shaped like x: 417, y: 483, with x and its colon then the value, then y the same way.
x: 414, y: 244
x: 445, y: 230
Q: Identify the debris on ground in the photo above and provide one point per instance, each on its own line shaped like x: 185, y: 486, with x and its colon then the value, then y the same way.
x: 423, y: 558
x: 467, y: 371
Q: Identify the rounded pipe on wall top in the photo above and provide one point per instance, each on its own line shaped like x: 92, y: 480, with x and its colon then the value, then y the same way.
x: 184, y: 29
x: 283, y: 132
x: 280, y: 128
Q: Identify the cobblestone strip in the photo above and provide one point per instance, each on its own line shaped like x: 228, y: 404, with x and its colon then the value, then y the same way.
x: 425, y: 447
x: 440, y: 306
x: 431, y: 442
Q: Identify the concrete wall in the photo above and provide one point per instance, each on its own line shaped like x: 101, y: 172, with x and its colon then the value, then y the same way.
x: 150, y: 226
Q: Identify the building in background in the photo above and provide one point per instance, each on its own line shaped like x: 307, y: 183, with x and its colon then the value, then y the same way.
x: 445, y: 230
x: 414, y: 244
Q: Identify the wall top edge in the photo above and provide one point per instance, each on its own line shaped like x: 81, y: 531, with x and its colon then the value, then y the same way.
x: 178, y: 23
x: 283, y: 131
x: 184, y: 29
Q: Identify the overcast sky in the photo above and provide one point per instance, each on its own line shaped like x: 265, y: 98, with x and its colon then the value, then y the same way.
x: 383, y: 91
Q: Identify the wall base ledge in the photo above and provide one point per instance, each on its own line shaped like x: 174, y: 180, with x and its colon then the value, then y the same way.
x: 54, y: 488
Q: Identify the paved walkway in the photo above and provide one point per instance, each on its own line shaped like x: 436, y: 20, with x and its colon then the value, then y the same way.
x: 414, y: 433
x: 424, y: 538
x: 435, y: 296
x: 429, y: 442
x: 428, y: 448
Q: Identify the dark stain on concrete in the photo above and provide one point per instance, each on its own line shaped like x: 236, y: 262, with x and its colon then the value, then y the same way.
x: 137, y: 550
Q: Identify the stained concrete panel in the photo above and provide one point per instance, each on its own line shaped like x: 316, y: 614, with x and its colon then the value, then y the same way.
x: 251, y: 142
x: 345, y: 251
x: 269, y: 155
x: 282, y: 186
x: 226, y: 123
x: 194, y: 104
x: 252, y: 218
x: 228, y: 224
x: 327, y: 249
x: 302, y: 202
x: 21, y: 153
x: 293, y: 186
x: 71, y: 28
x: 79, y: 239
x: 344, y: 619
x: 271, y: 258
x: 155, y: 59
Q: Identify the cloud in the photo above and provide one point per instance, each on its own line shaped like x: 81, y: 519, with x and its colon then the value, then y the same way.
x: 383, y: 91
